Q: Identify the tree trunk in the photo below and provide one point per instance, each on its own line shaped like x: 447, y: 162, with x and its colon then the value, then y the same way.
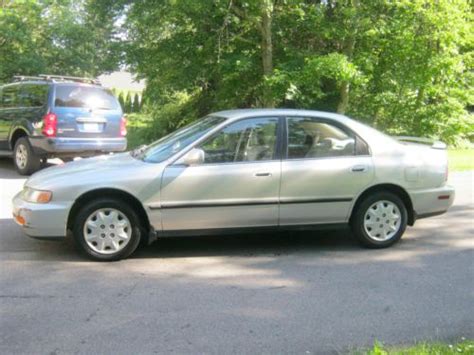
x: 344, y: 98
x: 267, y: 51
x: 348, y: 50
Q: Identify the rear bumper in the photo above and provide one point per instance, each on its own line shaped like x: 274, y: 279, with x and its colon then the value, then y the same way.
x: 432, y: 202
x: 47, y: 220
x: 71, y: 146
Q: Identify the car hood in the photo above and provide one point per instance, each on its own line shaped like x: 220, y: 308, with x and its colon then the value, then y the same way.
x: 105, y: 169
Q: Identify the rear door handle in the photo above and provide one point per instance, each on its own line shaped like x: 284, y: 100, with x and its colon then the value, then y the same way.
x: 359, y: 168
x: 262, y: 174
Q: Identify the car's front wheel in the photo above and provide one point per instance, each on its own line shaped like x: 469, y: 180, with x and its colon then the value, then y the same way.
x: 379, y: 220
x: 107, y: 230
x: 25, y: 159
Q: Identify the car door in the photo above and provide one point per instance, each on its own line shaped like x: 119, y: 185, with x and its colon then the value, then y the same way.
x: 8, y: 109
x: 236, y: 186
x: 325, y: 168
x: 33, y: 100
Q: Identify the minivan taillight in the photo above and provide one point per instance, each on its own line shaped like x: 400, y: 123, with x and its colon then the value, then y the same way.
x: 123, y: 126
x: 50, y: 123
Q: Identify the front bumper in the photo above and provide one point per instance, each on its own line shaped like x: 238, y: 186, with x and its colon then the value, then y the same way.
x: 48, y: 220
x: 432, y: 202
x: 62, y: 146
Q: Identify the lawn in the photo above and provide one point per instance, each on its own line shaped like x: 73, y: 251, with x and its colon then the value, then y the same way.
x: 463, y: 347
x: 461, y: 159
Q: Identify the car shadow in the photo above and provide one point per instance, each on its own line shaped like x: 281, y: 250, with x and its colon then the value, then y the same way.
x: 250, y: 244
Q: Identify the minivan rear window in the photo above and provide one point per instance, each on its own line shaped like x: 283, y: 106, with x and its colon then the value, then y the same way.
x: 85, y: 96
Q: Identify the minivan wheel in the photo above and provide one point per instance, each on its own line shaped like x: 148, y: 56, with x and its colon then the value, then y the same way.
x: 25, y: 160
x: 106, y: 230
x: 380, y: 220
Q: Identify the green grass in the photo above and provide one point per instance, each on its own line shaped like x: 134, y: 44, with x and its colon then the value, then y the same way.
x: 461, y: 159
x: 463, y: 347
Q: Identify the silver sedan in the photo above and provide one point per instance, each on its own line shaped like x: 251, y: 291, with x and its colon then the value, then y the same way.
x: 240, y: 170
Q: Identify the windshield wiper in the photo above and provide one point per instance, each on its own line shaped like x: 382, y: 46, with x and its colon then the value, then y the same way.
x: 137, y: 152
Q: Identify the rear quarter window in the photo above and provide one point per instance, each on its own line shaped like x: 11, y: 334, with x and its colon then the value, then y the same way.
x: 85, y: 97
x: 9, y: 96
x: 33, y: 95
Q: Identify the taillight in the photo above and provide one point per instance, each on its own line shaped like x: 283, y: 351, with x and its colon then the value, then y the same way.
x: 50, y: 123
x: 123, y: 126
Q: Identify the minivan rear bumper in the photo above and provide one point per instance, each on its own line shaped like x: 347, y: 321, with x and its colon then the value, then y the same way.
x: 77, y: 146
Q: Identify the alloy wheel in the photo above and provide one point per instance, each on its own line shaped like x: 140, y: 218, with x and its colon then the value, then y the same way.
x: 21, y: 156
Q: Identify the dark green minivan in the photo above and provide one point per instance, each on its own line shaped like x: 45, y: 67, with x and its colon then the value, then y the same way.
x: 56, y: 116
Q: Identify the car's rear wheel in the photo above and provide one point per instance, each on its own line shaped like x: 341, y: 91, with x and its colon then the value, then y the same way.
x: 25, y: 160
x: 379, y: 220
x: 107, y: 230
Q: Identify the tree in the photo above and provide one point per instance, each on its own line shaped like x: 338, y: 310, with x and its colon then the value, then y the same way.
x: 128, y: 107
x: 121, y: 100
x: 56, y: 37
x: 267, y: 50
x: 404, y: 66
x: 136, y: 103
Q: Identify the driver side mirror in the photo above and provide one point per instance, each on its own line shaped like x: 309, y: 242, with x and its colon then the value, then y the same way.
x: 194, y: 157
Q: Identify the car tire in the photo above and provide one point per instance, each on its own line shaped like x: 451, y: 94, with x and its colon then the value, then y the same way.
x: 25, y: 160
x: 101, y: 239
x: 379, y: 220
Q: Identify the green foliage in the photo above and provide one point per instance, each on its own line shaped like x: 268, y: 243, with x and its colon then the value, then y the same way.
x: 121, y: 100
x: 136, y: 103
x: 178, y: 111
x: 404, y: 67
x: 128, y: 106
x: 137, y: 127
x: 55, y: 37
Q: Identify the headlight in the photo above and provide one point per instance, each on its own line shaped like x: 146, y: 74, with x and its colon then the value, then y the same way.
x: 36, y: 196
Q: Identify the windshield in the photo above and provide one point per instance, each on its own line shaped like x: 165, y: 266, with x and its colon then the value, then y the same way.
x: 85, y: 97
x: 165, y: 147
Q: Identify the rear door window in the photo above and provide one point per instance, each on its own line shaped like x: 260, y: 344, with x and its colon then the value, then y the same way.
x: 85, y: 97
x: 33, y: 95
x: 310, y: 138
x: 9, y: 96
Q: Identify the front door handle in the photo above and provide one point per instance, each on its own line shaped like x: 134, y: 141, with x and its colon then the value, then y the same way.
x: 262, y: 174
x: 358, y: 168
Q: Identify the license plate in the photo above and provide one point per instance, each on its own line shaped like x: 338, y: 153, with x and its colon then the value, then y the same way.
x: 91, y: 127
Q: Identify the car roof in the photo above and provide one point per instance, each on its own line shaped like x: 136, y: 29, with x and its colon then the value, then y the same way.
x: 258, y: 112
x: 52, y: 83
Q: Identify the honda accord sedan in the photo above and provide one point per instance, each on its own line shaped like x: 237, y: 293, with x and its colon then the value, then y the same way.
x: 241, y: 170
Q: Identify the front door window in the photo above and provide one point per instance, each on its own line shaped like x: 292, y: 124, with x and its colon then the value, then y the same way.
x: 248, y: 140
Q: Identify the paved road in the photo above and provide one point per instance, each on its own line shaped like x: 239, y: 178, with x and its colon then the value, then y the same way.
x: 286, y: 293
